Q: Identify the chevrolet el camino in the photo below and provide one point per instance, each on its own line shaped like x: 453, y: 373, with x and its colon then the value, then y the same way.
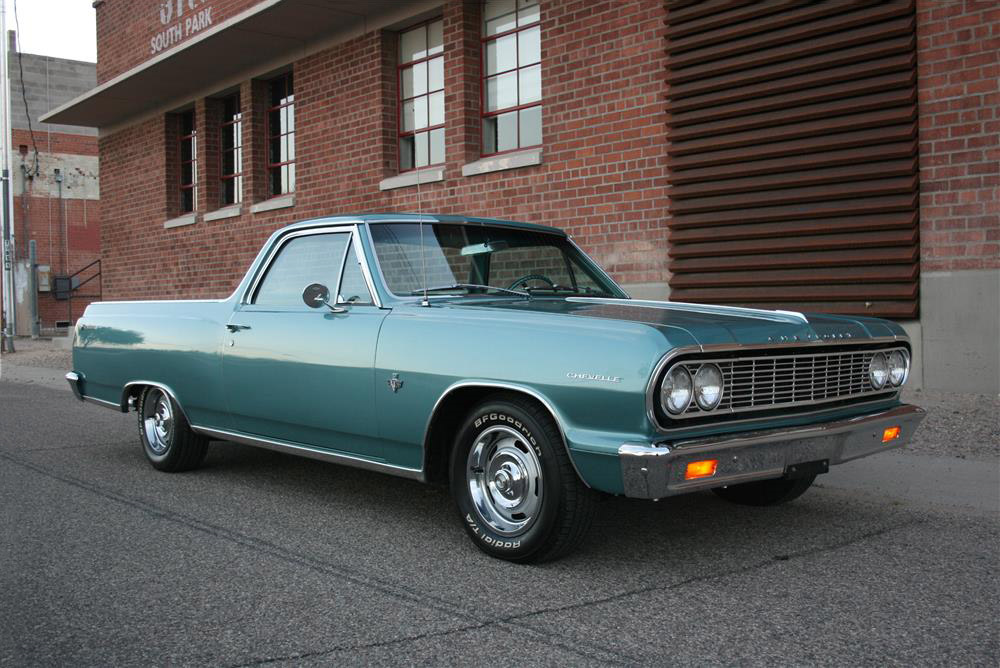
x: 496, y: 358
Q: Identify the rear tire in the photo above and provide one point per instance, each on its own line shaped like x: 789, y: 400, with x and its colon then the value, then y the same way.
x: 167, y: 439
x: 518, y: 495
x: 766, y: 492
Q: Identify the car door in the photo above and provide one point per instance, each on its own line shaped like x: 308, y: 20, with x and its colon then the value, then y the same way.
x: 301, y: 374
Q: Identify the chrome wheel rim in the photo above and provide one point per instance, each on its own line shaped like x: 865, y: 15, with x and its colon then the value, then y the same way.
x: 158, y: 422
x: 505, y: 481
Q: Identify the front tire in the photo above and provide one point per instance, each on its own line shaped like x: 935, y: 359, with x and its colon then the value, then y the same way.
x: 167, y: 439
x: 517, y: 493
x: 766, y: 492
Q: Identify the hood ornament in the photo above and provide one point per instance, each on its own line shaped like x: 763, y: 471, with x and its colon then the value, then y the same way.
x: 394, y: 383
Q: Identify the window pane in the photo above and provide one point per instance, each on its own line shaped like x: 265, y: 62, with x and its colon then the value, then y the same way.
x: 435, y: 74
x: 274, y: 187
x: 501, y: 54
x: 500, y: 133
x: 415, y: 114
x: 228, y: 162
x: 353, y: 288
x: 531, y: 126
x: 274, y: 152
x: 301, y: 262
x: 527, y: 12
x: 501, y: 92
x: 437, y: 146
x: 435, y: 37
x: 494, y: 8
x: 413, y: 44
x: 530, y: 84
x: 419, y: 80
x: 187, y: 173
x: 186, y: 150
x: 420, y: 150
x: 406, y: 155
x: 406, y: 79
x: 289, y: 147
x: 187, y: 123
x: 289, y: 178
x: 436, y: 112
x: 529, y: 46
x: 288, y: 117
x: 187, y: 200
x: 274, y: 122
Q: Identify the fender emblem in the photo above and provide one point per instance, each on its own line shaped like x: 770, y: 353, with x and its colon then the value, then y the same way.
x: 594, y: 376
x: 394, y: 383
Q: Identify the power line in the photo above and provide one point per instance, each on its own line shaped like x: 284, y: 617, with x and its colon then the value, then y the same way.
x: 24, y: 94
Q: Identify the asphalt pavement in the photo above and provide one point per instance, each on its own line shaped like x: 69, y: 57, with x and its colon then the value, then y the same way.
x: 261, y: 558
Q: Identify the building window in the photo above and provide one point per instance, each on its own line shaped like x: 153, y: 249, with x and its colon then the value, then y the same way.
x: 281, y: 136
x: 231, y: 151
x: 188, y: 152
x: 512, y: 75
x: 421, y: 96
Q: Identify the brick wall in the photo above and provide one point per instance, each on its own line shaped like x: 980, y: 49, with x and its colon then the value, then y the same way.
x: 603, y: 175
x: 958, y: 69
x: 125, y: 28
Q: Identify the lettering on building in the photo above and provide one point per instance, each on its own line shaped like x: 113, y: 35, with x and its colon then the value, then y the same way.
x: 182, y: 19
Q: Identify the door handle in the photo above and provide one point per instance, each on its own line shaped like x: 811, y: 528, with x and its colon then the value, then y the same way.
x: 236, y: 328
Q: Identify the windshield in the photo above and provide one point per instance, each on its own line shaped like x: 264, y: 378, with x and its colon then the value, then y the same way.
x: 476, y: 260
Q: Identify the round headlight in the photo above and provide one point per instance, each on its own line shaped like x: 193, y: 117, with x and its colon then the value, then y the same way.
x: 899, y: 367
x: 708, y: 387
x: 675, y: 392
x: 878, y: 371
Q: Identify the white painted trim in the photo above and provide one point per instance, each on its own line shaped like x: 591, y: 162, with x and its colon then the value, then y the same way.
x: 181, y: 221
x: 281, y: 202
x: 417, y: 176
x: 497, y: 163
x: 230, y: 211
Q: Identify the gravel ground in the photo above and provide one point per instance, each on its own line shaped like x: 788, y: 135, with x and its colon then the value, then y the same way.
x: 43, y: 353
x: 957, y: 425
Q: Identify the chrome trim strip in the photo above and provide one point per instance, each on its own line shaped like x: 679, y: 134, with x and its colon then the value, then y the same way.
x: 310, y: 452
x: 503, y: 386
x: 646, y: 468
x: 739, y: 347
x: 359, y: 252
x: 73, y: 378
x: 104, y: 404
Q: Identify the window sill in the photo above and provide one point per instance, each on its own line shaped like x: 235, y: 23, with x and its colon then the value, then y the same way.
x: 181, y: 221
x: 280, y: 202
x: 498, y: 163
x: 230, y: 211
x: 415, y: 177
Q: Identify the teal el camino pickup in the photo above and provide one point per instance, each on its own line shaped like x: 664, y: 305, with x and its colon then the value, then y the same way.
x: 496, y: 358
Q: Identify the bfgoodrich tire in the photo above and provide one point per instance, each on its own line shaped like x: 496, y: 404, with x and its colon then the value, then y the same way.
x: 517, y: 493
x: 766, y: 492
x: 167, y: 439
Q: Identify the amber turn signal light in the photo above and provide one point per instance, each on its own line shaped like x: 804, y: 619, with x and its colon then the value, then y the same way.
x: 703, y: 469
x: 890, y: 434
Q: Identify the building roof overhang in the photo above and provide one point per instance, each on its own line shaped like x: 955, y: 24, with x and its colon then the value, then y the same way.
x: 268, y: 32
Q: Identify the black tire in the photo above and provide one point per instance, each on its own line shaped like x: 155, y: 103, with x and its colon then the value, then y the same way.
x: 169, y: 443
x: 766, y: 492
x: 562, y: 506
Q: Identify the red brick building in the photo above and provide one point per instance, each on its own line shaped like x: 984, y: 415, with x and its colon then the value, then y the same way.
x: 56, y: 190
x: 832, y: 156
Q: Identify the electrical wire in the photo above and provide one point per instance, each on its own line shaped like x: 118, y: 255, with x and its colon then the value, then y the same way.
x: 24, y: 95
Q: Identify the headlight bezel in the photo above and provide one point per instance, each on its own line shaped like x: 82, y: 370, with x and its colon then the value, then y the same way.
x: 882, y: 358
x: 905, y: 356
x: 667, y: 378
x: 708, y: 367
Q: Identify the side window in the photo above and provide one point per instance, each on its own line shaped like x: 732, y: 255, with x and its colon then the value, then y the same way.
x: 353, y: 288
x: 302, y: 261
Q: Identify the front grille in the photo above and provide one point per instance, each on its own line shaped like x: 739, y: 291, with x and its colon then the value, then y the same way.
x: 783, y: 381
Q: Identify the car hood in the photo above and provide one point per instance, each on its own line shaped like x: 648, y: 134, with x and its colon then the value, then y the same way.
x: 709, y: 325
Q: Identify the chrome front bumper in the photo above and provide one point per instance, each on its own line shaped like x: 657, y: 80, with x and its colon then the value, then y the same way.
x: 654, y: 471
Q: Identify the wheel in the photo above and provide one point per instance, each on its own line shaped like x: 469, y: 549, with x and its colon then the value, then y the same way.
x: 766, y: 492
x: 517, y: 493
x: 166, y: 436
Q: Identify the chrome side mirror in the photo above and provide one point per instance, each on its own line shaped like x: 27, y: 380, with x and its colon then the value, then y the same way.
x: 317, y: 295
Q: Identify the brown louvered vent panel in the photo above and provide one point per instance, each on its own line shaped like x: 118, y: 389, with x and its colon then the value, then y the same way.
x: 793, y: 155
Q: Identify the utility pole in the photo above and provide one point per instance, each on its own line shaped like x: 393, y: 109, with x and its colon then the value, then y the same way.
x: 9, y: 305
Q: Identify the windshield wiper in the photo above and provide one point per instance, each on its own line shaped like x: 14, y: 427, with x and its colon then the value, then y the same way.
x: 455, y: 286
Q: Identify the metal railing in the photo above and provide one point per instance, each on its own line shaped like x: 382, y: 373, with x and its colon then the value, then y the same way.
x: 66, y: 288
